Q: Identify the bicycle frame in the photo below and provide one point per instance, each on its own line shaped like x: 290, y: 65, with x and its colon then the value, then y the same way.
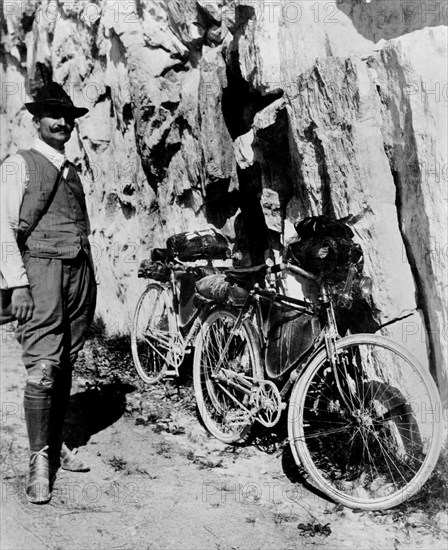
x: 184, y: 341
x: 351, y: 423
x: 327, y: 338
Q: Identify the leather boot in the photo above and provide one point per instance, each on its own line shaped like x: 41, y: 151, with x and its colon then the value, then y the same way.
x: 60, y: 454
x: 37, y: 407
x: 38, y: 485
x: 69, y: 461
x: 59, y: 404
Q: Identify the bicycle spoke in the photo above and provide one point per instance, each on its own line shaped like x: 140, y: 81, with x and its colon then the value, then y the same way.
x: 226, y: 365
x: 156, y: 344
x: 360, y: 440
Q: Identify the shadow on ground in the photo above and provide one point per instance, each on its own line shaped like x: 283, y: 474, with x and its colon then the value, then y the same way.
x: 275, y: 441
x: 94, y: 410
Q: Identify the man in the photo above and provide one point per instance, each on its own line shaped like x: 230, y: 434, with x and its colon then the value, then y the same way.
x: 51, y: 277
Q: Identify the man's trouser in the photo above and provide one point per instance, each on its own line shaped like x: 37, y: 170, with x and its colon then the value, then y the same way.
x: 64, y: 295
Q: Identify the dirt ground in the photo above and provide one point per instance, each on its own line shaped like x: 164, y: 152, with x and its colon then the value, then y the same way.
x: 171, y: 488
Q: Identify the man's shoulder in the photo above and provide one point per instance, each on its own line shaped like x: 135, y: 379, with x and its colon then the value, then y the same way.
x: 13, y: 172
x: 18, y: 155
x: 17, y: 159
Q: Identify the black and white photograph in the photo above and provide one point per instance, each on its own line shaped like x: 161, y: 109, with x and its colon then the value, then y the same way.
x: 224, y: 274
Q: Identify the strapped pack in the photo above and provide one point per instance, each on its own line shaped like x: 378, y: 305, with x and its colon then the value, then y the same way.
x: 150, y: 269
x: 206, y: 244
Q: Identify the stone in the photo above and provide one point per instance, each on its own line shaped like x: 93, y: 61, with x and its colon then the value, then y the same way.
x: 417, y: 519
x: 441, y: 520
x: 243, y: 151
x: 209, y: 112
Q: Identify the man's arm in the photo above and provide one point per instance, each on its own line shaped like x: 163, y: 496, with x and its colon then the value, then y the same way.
x: 13, y: 181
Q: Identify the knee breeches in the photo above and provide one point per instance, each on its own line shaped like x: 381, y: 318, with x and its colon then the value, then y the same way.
x: 64, y: 295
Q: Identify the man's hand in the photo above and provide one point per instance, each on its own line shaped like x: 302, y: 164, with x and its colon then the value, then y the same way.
x: 22, y: 304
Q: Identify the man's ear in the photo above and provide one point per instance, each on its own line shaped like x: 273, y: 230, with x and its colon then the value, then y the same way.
x: 36, y: 120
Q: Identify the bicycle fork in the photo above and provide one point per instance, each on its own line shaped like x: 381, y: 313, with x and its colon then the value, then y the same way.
x: 336, y: 360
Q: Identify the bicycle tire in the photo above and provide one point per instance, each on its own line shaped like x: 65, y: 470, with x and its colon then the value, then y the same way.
x: 223, y: 407
x: 154, y: 333
x: 374, y: 449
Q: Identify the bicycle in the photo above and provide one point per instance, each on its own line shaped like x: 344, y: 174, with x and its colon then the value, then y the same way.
x: 358, y: 405
x: 167, y: 316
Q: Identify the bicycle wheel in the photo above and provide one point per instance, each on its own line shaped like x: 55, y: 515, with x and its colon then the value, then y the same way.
x: 368, y: 437
x: 154, y: 335
x: 224, y: 375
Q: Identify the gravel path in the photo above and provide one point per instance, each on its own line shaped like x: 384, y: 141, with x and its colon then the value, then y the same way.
x: 149, y: 489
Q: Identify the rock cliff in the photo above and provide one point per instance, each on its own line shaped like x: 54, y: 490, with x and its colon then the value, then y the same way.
x: 204, y: 112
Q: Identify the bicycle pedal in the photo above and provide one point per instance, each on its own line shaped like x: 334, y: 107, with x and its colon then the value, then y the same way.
x: 171, y: 374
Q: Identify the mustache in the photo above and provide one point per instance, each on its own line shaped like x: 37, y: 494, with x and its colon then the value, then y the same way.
x: 61, y: 128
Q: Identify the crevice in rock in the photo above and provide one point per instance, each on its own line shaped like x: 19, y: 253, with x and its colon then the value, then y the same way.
x: 219, y: 203
x: 396, y: 320
x: 319, y: 151
x: 189, y: 199
x: 94, y: 47
x: 244, y: 15
x: 421, y: 300
x: 157, y: 161
x: 118, y: 53
x: 3, y: 26
x: 104, y: 96
x: 170, y: 105
x: 139, y: 8
x: 177, y: 68
x: 251, y: 231
x: 272, y: 150
x: 405, y: 157
x: 240, y: 103
x: 128, y: 114
x: 27, y: 21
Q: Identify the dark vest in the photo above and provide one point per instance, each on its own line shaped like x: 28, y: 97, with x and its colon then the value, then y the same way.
x: 62, y: 231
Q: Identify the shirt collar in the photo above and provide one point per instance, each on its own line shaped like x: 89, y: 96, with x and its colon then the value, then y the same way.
x: 54, y: 156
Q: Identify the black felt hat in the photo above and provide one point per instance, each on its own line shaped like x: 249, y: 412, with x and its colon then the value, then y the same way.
x: 53, y: 95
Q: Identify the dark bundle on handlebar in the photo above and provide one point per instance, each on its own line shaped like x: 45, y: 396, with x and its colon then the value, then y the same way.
x: 325, y: 248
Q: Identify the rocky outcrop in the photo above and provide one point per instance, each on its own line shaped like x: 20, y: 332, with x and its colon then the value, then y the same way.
x: 246, y: 115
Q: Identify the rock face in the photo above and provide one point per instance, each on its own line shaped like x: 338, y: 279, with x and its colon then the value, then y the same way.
x: 247, y: 115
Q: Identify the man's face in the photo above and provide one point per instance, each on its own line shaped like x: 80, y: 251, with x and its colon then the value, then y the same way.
x: 55, y: 127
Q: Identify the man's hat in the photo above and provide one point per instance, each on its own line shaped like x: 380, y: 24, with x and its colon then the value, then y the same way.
x: 53, y: 95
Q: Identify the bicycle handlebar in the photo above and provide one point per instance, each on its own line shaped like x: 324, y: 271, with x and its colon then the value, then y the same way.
x: 300, y: 271
x: 278, y: 268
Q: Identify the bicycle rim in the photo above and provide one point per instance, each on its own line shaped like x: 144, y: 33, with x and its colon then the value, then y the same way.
x: 225, y: 395
x: 371, y: 440
x: 153, y: 334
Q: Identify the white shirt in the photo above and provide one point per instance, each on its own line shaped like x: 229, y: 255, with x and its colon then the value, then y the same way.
x: 13, y: 182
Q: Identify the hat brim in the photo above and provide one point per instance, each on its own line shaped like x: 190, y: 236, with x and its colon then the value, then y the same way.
x: 36, y: 107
